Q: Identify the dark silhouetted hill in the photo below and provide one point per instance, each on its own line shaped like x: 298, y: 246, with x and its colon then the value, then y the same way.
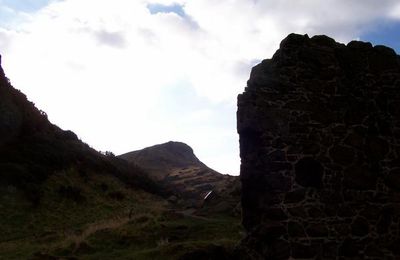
x: 32, y: 149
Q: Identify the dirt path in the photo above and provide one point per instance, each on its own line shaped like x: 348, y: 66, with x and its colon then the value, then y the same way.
x: 190, y: 213
x: 113, y: 223
x: 77, y: 239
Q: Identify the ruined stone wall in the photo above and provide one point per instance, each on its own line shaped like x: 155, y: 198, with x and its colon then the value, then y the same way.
x: 319, y: 128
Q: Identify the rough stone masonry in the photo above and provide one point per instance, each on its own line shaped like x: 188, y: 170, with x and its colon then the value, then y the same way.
x: 319, y: 128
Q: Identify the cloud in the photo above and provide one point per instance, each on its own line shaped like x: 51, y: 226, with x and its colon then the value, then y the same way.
x: 5, y: 39
x: 113, y: 39
x: 128, y: 74
x: 395, y: 12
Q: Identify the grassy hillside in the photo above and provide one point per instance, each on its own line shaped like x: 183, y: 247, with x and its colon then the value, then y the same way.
x: 32, y: 149
x: 60, y: 199
x: 69, y: 202
x: 99, y: 217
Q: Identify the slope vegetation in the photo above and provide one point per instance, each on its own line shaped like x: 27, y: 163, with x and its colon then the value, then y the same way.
x: 61, y: 199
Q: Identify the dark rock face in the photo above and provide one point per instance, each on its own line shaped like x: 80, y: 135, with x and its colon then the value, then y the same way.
x: 319, y: 128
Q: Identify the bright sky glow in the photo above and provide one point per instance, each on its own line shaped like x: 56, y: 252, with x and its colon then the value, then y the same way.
x: 124, y: 74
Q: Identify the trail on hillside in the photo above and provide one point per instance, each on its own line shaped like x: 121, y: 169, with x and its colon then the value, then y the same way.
x: 92, y: 228
x: 190, y: 213
x: 113, y: 223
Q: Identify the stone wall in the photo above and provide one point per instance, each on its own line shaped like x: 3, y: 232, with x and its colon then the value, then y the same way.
x: 319, y: 128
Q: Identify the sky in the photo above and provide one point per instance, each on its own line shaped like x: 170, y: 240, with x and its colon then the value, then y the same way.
x: 127, y: 74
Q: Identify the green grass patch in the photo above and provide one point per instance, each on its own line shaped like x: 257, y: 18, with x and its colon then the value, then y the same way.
x: 77, y: 217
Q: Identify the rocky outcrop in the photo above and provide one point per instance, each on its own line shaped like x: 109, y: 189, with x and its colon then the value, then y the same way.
x: 319, y: 128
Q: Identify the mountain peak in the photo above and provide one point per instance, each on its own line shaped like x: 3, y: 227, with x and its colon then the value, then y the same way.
x: 178, y: 149
x: 175, y: 165
x: 165, y: 156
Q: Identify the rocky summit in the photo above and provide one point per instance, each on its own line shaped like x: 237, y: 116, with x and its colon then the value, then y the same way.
x: 319, y: 127
x: 162, y: 158
x: 175, y: 166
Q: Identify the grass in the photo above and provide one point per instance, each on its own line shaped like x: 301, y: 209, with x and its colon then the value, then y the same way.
x: 59, y: 215
x: 97, y: 224
x: 160, y: 237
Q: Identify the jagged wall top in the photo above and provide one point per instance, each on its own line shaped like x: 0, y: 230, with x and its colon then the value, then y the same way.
x: 297, y: 47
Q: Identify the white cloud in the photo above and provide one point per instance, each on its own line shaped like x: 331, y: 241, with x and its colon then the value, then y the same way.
x: 114, y: 73
x: 5, y: 38
x: 395, y: 12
